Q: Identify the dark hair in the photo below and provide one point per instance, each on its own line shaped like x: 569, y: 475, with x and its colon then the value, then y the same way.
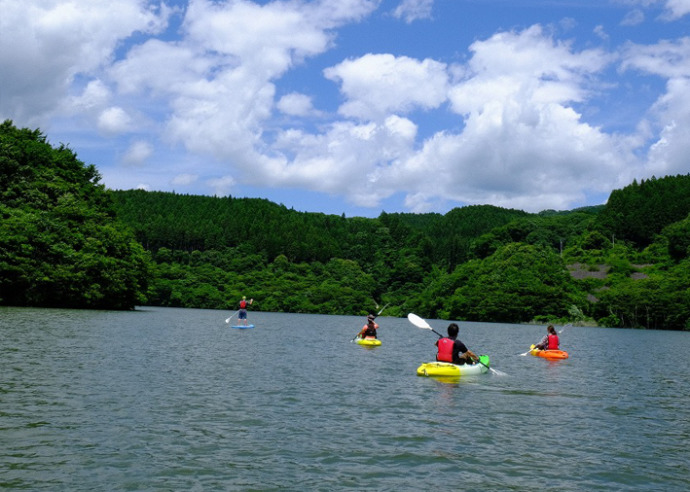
x: 453, y: 330
x: 551, y: 329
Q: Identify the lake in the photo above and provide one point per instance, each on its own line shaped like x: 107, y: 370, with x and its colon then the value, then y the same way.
x: 174, y: 399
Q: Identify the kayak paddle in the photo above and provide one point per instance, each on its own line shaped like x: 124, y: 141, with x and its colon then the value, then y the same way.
x: 566, y: 326
x: 420, y: 323
x: 530, y: 349
x: 381, y: 310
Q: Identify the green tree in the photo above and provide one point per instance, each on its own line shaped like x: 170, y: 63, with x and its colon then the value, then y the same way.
x: 60, y: 244
x: 515, y: 284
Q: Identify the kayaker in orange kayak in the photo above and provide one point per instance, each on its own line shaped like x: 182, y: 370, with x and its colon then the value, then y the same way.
x: 550, y: 340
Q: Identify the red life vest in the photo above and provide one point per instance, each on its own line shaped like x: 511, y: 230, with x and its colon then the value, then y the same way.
x: 243, y: 304
x: 445, y: 350
x: 553, y: 342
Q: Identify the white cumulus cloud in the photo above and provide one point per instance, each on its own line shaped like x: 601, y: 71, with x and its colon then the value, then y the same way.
x: 675, y: 9
x: 184, y: 179
x: 296, y: 104
x: 47, y: 44
x: 376, y: 85
x: 412, y: 10
x: 138, y: 153
x: 671, y: 112
x: 114, y: 120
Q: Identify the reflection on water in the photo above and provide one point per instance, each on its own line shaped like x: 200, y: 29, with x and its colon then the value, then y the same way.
x: 173, y: 399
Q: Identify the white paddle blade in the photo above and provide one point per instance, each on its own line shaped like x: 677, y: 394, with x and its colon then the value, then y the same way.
x: 227, y: 320
x: 418, y: 322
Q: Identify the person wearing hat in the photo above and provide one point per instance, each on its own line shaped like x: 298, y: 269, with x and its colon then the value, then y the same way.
x: 242, y: 314
x: 450, y: 349
x: 369, y: 330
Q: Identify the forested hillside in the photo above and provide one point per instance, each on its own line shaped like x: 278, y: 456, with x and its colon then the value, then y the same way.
x: 60, y: 244
x: 67, y: 241
x: 479, y: 263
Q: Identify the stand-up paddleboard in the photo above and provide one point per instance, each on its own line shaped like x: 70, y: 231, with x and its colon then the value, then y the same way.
x: 242, y: 327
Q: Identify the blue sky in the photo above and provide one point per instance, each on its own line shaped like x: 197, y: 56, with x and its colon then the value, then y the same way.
x: 358, y: 106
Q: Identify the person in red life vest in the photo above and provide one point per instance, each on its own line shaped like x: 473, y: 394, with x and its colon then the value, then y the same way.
x: 369, y: 330
x: 550, y: 340
x: 242, y: 316
x: 450, y: 349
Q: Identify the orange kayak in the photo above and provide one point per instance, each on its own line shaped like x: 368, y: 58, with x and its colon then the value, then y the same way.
x: 549, y: 354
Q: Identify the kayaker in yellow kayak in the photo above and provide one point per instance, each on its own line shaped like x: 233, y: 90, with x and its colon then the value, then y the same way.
x: 369, y: 330
x: 550, y: 340
x: 450, y: 349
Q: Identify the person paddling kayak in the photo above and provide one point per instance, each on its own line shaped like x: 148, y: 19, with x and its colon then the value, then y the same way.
x: 369, y: 330
x: 450, y: 349
x: 550, y: 340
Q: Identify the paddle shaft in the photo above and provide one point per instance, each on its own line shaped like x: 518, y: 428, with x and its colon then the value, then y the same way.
x: 566, y: 326
x: 235, y: 313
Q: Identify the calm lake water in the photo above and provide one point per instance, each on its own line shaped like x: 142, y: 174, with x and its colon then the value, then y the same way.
x: 175, y: 399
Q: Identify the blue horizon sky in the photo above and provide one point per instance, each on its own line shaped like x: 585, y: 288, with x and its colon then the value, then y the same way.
x: 358, y: 106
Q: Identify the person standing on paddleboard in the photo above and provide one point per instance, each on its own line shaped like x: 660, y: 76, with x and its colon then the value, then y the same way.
x: 242, y: 315
x: 450, y: 349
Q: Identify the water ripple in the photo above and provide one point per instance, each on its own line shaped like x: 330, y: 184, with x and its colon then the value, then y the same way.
x: 173, y: 399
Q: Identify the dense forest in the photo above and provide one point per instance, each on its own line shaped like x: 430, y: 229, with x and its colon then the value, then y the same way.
x: 625, y: 263
x: 473, y: 263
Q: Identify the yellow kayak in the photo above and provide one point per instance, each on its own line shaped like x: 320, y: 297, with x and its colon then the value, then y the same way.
x: 447, y: 369
x: 368, y: 342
